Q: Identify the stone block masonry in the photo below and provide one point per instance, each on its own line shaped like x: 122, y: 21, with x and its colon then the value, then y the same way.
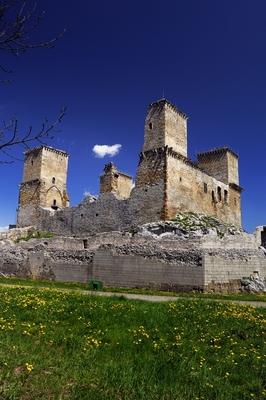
x: 123, y: 260
x: 167, y: 182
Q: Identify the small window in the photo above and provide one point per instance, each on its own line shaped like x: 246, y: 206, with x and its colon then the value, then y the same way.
x: 96, y: 214
x: 54, y: 203
x: 180, y: 179
x: 81, y: 215
x: 213, y: 196
x: 219, y: 193
x: 235, y: 201
x: 85, y: 243
x: 31, y: 162
x: 226, y: 196
x: 150, y: 125
x: 205, y: 186
x: 53, y: 180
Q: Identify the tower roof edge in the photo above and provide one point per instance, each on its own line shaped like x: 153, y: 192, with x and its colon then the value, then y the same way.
x: 164, y: 101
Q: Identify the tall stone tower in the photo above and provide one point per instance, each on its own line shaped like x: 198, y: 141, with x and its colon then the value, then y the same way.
x: 165, y: 131
x: 168, y: 182
x: 165, y: 125
x: 43, y: 185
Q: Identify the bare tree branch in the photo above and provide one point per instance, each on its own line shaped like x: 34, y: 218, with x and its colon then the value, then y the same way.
x: 10, y: 135
x: 18, y: 20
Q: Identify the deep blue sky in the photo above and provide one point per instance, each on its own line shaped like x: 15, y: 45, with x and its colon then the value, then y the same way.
x: 209, y: 58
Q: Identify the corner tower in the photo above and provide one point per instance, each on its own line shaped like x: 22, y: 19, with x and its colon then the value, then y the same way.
x: 43, y: 184
x: 165, y: 125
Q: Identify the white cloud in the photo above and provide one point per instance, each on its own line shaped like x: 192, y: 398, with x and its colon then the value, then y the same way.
x: 3, y: 228
x: 87, y: 193
x: 102, y: 150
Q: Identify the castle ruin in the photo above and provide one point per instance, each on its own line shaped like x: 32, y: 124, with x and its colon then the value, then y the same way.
x: 139, y: 234
x: 167, y: 182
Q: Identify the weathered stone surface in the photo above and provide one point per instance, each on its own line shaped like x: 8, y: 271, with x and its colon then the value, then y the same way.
x: 254, y: 284
x: 43, y: 185
x: 167, y: 183
x: 204, y: 262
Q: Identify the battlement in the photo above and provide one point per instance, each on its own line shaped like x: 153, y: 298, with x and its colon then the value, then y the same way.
x: 36, y: 150
x: 162, y: 102
x: 216, y: 151
x: 221, y: 163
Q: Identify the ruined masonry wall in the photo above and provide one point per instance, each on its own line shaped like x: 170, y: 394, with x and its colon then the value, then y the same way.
x: 135, y: 271
x: 221, y: 270
x: 185, y: 192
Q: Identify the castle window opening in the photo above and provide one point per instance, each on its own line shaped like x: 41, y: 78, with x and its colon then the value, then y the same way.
x: 263, y: 237
x: 53, y: 180
x: 180, y: 179
x: 96, y: 214
x: 205, y: 188
x: 85, y: 243
x: 81, y: 215
x: 31, y: 162
x: 235, y: 201
x: 213, y: 196
x: 150, y: 125
x: 219, y: 193
x: 226, y: 196
x: 54, y: 202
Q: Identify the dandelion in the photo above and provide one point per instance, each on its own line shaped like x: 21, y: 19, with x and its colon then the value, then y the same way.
x: 29, y: 367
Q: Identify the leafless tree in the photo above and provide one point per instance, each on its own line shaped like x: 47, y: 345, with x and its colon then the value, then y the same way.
x: 11, y: 135
x: 18, y: 21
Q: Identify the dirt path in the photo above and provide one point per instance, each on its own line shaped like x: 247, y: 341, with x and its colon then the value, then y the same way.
x: 157, y: 299
x: 142, y: 297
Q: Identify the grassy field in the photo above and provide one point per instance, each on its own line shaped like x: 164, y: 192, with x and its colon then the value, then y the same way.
x: 64, y: 345
x: 83, y: 286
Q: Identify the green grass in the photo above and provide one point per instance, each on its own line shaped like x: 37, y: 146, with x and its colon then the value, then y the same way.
x: 82, y: 286
x: 64, y: 345
x: 35, y: 235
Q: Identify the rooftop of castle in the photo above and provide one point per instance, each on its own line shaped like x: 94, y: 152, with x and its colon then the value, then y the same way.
x: 164, y: 101
x: 52, y: 149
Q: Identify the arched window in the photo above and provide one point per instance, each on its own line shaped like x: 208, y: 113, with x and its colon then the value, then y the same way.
x: 150, y: 125
x: 54, y: 203
x: 53, y: 180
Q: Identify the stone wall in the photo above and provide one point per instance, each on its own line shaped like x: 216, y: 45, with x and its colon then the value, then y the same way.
x: 133, y: 271
x: 190, y: 189
x: 123, y: 260
x: 224, y: 271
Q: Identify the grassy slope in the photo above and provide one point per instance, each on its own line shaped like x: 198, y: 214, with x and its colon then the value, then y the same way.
x: 60, y: 345
x: 76, y: 285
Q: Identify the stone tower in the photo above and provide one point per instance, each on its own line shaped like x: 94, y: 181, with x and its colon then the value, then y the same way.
x: 165, y: 125
x: 114, y: 181
x: 168, y: 182
x: 43, y: 185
